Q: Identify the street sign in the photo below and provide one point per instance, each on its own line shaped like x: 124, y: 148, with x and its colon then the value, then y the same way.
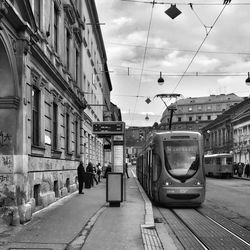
x: 108, y: 128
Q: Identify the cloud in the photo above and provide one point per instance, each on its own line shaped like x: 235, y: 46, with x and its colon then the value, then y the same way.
x: 171, y: 47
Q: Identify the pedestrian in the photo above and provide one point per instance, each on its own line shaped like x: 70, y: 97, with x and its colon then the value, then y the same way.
x: 235, y: 166
x: 240, y: 169
x: 80, y: 174
x: 108, y: 169
x: 126, y: 169
x: 247, y: 170
x: 90, y: 170
x: 99, y: 171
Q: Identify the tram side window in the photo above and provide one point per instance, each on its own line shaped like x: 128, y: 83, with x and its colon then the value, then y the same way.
x: 229, y: 160
x: 156, y: 167
x: 218, y: 161
x: 208, y: 160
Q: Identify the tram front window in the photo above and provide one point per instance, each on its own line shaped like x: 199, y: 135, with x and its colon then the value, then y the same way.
x: 181, y: 158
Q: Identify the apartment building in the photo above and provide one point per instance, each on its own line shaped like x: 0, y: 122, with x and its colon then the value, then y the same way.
x: 194, y: 113
x: 54, y: 84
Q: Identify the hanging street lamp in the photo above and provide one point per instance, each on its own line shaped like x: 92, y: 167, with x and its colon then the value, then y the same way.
x: 160, y: 80
x: 173, y: 11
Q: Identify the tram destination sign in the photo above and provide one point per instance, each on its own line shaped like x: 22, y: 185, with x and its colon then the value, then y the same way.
x: 108, y: 128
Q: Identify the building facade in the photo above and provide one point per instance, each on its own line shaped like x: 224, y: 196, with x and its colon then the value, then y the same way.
x: 230, y: 133
x: 54, y: 84
x: 241, y: 134
x: 197, y: 112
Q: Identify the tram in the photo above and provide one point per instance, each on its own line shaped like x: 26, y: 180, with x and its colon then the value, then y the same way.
x: 171, y: 170
x: 219, y: 165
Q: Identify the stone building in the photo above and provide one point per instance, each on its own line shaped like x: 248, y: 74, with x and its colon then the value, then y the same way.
x: 194, y: 113
x: 241, y: 133
x: 54, y: 84
x: 230, y: 133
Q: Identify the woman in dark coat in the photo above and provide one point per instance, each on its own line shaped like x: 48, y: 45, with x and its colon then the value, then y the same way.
x: 80, y: 174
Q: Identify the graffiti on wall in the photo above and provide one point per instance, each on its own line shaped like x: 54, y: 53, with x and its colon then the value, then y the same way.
x: 6, y: 164
x: 4, y: 178
x: 5, y: 139
x: 5, y: 181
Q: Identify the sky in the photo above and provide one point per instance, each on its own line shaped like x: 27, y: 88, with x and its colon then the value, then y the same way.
x: 203, y: 51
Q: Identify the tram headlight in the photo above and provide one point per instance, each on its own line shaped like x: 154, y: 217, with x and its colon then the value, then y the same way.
x: 197, y: 183
x: 168, y: 183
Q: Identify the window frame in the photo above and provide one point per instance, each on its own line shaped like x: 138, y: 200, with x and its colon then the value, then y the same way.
x: 56, y: 27
x: 67, y: 133
x: 36, y: 97
x: 68, y: 38
x: 55, y: 126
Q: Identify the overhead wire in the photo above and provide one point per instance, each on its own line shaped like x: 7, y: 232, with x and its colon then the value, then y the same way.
x: 169, y: 3
x: 181, y: 50
x: 196, y: 53
x: 144, y: 56
x: 208, y: 30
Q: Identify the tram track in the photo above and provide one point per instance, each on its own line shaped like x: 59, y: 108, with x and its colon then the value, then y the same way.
x: 200, y: 229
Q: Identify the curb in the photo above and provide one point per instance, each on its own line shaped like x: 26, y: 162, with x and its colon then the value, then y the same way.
x: 150, y: 237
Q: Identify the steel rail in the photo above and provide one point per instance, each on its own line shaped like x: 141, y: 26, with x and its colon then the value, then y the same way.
x: 235, y: 235
x: 184, y: 224
x: 180, y: 218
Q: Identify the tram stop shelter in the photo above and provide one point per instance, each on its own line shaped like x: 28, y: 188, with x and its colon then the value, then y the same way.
x: 114, y: 131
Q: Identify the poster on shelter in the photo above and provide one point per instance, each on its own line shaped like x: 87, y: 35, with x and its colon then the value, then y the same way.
x: 118, y: 158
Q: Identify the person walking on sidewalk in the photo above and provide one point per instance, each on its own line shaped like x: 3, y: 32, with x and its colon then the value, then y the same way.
x: 108, y: 169
x: 99, y: 171
x: 126, y: 169
x: 240, y: 169
x: 90, y: 169
x: 247, y: 170
x: 80, y: 174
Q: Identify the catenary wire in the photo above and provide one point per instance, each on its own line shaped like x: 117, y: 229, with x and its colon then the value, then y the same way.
x: 196, y: 53
x: 180, y: 50
x: 144, y: 56
x: 169, y: 3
